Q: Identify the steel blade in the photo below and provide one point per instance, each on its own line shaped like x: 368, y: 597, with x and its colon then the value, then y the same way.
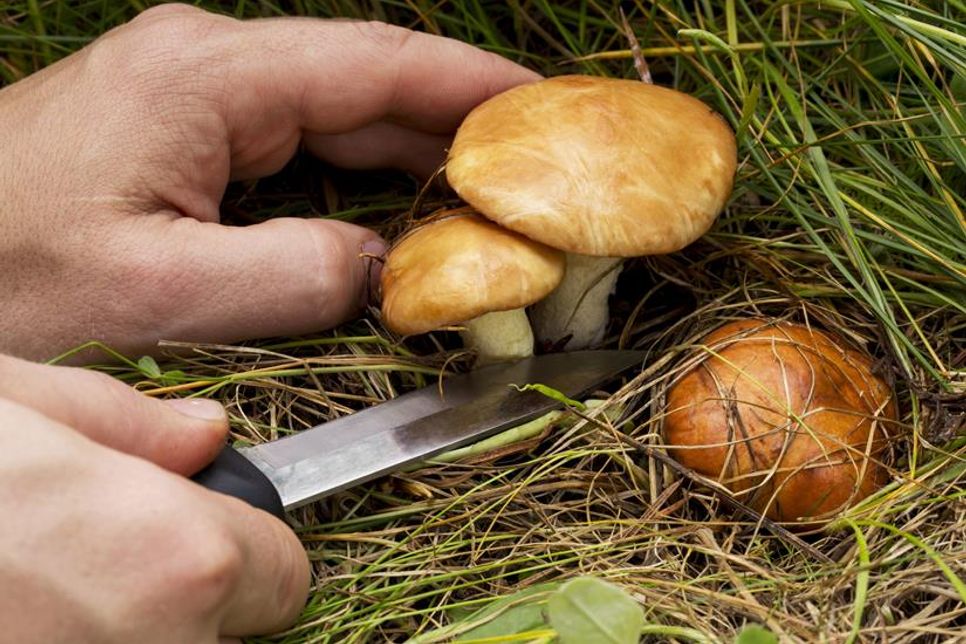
x: 342, y: 453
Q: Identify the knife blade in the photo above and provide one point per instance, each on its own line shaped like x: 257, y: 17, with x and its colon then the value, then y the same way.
x: 334, y: 456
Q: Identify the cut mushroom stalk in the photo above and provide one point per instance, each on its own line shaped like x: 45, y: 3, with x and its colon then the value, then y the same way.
x: 500, y: 336
x: 575, y: 315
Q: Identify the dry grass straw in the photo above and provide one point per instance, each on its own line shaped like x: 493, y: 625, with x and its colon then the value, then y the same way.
x: 847, y: 215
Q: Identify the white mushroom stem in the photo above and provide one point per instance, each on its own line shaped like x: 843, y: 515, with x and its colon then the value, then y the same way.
x: 578, y: 307
x: 501, y: 336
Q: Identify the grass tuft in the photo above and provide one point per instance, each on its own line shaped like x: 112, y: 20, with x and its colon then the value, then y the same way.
x: 848, y: 214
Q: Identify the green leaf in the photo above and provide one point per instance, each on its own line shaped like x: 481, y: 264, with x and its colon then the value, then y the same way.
x: 173, y: 377
x: 518, y: 619
x: 708, y: 37
x: 550, y: 392
x: 756, y: 634
x: 514, y: 614
x: 748, y: 110
x: 590, y: 611
x: 149, y: 367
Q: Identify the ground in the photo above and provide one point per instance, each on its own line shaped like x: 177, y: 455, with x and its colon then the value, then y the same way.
x: 847, y: 214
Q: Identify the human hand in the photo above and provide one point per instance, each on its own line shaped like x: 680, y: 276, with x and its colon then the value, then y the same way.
x: 103, y: 541
x: 117, y: 156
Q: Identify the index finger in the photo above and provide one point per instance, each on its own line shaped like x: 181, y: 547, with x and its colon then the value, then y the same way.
x: 340, y: 75
x: 244, y: 93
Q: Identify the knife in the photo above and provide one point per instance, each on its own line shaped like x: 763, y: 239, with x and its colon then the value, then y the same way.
x: 314, y: 463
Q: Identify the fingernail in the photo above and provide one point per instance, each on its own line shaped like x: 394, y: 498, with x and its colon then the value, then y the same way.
x: 199, y: 408
x: 374, y: 248
x: 373, y: 256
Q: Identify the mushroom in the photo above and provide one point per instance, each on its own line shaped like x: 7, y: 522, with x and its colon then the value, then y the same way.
x: 601, y: 168
x: 790, y: 419
x: 463, y: 269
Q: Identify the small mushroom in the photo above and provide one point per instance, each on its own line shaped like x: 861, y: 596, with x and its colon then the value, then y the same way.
x: 601, y: 168
x: 461, y: 269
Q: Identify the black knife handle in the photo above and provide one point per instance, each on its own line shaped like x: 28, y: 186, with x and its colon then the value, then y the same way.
x: 233, y: 474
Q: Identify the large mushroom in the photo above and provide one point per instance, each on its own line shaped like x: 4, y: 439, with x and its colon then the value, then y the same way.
x: 601, y: 168
x: 461, y: 269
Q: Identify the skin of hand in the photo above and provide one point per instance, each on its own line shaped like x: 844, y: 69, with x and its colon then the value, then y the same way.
x: 114, y: 163
x: 116, y: 158
x: 104, y: 539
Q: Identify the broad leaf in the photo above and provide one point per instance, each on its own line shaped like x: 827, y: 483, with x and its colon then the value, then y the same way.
x: 755, y: 634
x: 525, y: 617
x: 590, y: 611
x: 517, y: 613
x: 149, y: 367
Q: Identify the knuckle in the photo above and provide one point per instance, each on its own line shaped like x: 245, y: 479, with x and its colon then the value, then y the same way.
x: 209, y: 564
x: 333, y: 261
x: 168, y: 24
x: 97, y: 380
x: 386, y: 37
x: 294, y: 581
x: 196, y: 561
x: 164, y: 44
x: 117, y: 398
x: 167, y: 9
x: 218, y: 567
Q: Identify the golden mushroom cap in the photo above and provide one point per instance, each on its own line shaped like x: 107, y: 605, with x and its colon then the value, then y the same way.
x: 596, y: 166
x: 459, y: 267
x: 789, y: 418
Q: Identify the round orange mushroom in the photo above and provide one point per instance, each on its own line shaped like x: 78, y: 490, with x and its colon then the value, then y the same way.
x: 789, y: 418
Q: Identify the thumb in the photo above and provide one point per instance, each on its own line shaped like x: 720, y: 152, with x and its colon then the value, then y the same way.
x: 215, y: 283
x: 180, y: 435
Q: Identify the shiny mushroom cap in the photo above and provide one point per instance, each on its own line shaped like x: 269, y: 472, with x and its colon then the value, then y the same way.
x: 789, y: 418
x: 596, y: 166
x: 460, y: 267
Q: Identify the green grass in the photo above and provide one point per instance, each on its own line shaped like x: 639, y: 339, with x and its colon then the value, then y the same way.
x: 848, y: 213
